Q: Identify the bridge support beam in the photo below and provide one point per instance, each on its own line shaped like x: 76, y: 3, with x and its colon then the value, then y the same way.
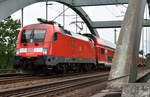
x: 115, y: 24
x: 7, y: 7
x: 123, y: 69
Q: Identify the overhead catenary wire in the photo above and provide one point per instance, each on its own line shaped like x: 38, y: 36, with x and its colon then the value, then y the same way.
x: 64, y: 15
x: 60, y: 14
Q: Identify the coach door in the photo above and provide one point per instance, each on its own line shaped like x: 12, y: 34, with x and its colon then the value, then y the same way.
x: 106, y: 55
x: 102, y: 55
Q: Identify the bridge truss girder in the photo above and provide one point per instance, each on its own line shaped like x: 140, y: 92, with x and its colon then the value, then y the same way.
x: 114, y: 24
x: 77, y: 3
x: 7, y: 7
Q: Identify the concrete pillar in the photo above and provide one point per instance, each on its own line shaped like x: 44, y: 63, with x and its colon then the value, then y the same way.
x: 123, y: 69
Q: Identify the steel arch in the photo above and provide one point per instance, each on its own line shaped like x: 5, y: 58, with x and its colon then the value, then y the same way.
x: 7, y: 7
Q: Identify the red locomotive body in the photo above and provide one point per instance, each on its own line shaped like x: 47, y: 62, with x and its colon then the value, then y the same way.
x: 44, y: 47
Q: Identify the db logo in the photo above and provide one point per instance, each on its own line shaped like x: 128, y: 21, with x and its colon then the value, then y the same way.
x: 30, y: 49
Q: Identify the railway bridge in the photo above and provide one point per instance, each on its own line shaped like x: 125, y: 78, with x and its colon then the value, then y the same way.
x: 123, y: 70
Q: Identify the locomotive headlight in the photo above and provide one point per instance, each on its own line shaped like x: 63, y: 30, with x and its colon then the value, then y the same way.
x: 45, y: 50
x: 17, y: 51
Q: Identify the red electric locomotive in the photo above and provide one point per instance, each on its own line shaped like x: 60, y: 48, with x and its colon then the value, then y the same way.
x: 46, y: 47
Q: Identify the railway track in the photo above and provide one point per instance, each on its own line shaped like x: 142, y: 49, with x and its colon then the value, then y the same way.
x: 54, y: 88
x: 16, y: 78
x: 9, y: 74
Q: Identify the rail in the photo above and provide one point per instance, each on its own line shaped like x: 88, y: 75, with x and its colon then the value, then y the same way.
x: 52, y: 87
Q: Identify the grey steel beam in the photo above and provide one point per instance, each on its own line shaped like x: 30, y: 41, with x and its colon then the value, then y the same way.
x: 98, y: 2
x: 87, y: 2
x: 124, y: 63
x: 7, y: 7
x: 115, y: 24
x: 107, y: 24
x: 78, y: 3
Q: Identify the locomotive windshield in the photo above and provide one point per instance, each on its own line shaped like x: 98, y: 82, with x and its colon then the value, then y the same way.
x: 34, y: 35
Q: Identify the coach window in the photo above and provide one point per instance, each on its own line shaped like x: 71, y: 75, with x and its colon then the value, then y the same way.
x: 110, y: 58
x: 102, y: 51
x: 54, y: 38
x: 99, y: 51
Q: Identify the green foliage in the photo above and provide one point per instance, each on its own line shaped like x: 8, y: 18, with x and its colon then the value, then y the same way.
x: 141, y: 52
x: 9, y: 30
x: 147, y: 56
x: 148, y: 59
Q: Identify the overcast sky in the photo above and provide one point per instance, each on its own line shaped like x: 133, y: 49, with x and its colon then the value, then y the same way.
x: 96, y: 13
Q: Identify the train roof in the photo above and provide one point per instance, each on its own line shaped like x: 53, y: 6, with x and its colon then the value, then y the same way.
x: 78, y: 36
x: 75, y: 35
x: 101, y: 42
x: 108, y: 44
x: 37, y: 25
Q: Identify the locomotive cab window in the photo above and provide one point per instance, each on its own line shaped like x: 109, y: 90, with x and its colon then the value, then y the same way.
x: 33, y: 35
x: 39, y: 35
x: 54, y: 38
x: 26, y: 36
x: 102, y: 51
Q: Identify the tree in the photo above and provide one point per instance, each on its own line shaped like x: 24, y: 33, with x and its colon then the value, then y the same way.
x: 141, y: 52
x: 147, y: 56
x: 147, y: 59
x: 9, y: 30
